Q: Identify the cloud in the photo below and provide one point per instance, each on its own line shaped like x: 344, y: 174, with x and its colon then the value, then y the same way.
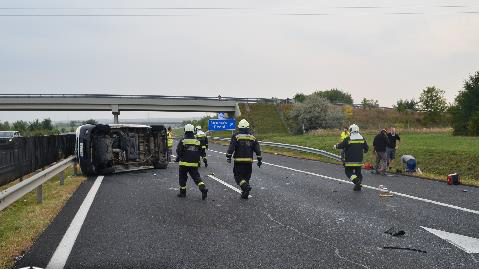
x: 246, y: 49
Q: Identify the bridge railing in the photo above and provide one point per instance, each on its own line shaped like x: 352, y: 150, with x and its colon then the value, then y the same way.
x: 206, y: 98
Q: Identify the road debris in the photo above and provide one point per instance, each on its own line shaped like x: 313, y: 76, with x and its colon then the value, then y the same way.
x: 384, y: 192
x: 395, y: 232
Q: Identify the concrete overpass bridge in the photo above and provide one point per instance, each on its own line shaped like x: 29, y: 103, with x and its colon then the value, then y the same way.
x: 118, y: 103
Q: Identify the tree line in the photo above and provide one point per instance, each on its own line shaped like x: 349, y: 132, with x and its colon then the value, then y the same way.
x: 41, y: 127
x: 316, y: 111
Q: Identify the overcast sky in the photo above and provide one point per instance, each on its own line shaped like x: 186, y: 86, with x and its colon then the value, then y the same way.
x: 384, y: 50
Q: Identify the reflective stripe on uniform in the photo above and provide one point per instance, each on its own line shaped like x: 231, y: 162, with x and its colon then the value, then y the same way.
x: 244, y: 160
x: 245, y: 137
x: 170, y: 139
x: 203, y: 147
x: 189, y: 164
x: 356, y: 142
x: 353, y: 164
x: 201, y: 183
x: 182, y: 188
x: 200, y: 135
x: 191, y: 142
x: 242, y: 182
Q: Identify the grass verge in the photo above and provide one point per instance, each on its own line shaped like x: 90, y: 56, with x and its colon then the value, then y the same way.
x: 23, y: 221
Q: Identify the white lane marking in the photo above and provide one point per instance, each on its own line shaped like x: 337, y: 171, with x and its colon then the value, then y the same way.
x: 468, y: 244
x: 227, y: 185
x: 63, y: 250
x: 377, y: 189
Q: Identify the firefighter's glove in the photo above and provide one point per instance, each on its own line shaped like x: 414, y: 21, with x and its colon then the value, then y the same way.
x: 177, y: 160
x: 260, y: 162
x: 228, y: 160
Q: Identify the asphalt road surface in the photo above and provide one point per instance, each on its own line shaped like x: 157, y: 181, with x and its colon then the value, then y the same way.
x: 302, y: 214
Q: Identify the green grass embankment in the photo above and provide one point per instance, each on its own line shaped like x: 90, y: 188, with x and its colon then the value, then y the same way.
x: 264, y: 118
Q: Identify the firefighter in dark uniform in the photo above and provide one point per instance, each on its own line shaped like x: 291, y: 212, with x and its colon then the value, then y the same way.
x: 201, y: 136
x: 354, y: 146
x: 188, y: 155
x: 241, y: 148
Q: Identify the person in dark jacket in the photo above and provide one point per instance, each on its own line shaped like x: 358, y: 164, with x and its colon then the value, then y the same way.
x: 394, y: 140
x: 188, y: 154
x: 242, y: 146
x: 380, y: 144
x: 354, y: 146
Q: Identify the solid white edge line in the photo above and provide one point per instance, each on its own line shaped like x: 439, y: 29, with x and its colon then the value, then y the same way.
x: 377, y: 189
x: 60, y: 256
x: 227, y: 185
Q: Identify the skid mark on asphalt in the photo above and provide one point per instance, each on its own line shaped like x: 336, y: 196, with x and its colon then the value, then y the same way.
x: 374, y: 188
x: 336, y: 250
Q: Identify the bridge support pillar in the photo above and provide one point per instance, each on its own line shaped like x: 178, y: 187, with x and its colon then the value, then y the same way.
x: 115, y: 117
x: 115, y: 111
x: 237, y: 111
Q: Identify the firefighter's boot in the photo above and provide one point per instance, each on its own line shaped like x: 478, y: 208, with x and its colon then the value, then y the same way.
x: 205, y: 161
x: 203, y: 189
x: 357, y: 183
x: 182, y: 193
x: 204, y: 194
x: 245, y: 189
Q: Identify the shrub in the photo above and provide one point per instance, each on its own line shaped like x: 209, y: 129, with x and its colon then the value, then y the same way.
x: 316, y: 113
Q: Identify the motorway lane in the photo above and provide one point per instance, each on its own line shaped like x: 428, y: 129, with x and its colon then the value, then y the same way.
x: 293, y: 220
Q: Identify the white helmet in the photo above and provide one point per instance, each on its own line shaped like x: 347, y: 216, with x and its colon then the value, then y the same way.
x: 354, y: 128
x: 243, y: 124
x: 198, y: 127
x: 189, y: 128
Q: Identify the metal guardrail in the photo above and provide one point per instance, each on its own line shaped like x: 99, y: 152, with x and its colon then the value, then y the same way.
x: 292, y: 147
x: 14, y: 193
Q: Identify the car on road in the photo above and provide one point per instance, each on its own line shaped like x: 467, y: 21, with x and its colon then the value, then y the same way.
x: 8, y: 136
x: 105, y: 149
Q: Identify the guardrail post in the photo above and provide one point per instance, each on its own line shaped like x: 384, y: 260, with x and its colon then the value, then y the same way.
x: 75, y: 168
x: 62, y: 177
x: 40, y: 194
